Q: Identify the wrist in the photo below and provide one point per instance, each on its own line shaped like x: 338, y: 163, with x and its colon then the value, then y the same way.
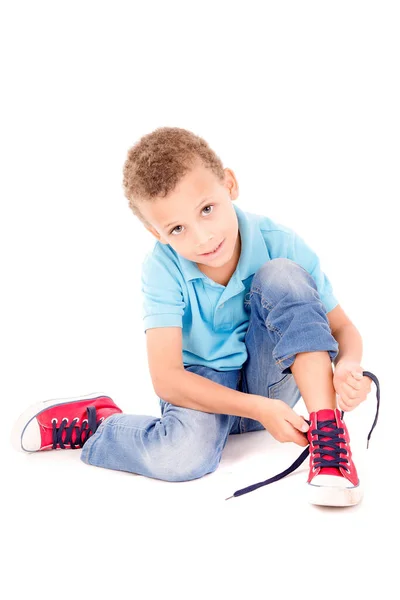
x: 348, y: 360
x: 261, y: 405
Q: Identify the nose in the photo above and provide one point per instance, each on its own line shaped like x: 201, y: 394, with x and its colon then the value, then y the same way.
x: 203, y: 239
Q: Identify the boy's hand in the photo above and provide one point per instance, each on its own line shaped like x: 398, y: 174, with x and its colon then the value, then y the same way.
x: 350, y: 384
x: 282, y: 422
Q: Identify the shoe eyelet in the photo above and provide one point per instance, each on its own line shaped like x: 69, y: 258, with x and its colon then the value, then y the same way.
x: 54, y: 419
x: 84, y: 421
x: 65, y: 419
x: 101, y: 419
x: 76, y: 419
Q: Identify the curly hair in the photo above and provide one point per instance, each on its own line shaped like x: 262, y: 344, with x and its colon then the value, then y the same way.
x: 158, y: 161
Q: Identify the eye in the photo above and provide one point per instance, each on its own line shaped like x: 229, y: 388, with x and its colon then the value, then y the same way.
x: 177, y: 226
x: 209, y: 206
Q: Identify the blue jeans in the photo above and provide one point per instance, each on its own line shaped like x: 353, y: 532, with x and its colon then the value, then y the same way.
x: 287, y: 316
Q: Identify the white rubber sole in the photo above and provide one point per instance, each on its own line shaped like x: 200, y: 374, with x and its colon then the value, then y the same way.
x: 32, y: 411
x: 334, y: 496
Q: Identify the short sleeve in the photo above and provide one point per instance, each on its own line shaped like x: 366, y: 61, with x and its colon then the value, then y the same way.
x: 163, y: 304
x: 302, y: 254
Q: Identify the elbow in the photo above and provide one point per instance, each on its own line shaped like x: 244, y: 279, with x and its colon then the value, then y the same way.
x: 165, y: 384
x: 159, y: 389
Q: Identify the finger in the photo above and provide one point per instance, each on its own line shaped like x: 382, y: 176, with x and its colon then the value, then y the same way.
x: 354, y: 382
x: 298, y: 422
x: 349, y: 392
x: 349, y: 404
x: 367, y: 385
x: 343, y: 404
x: 300, y: 438
x: 357, y: 375
x: 346, y: 401
x: 295, y: 436
x: 346, y: 407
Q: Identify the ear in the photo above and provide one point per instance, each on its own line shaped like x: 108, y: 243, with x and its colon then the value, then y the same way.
x: 155, y: 233
x: 231, y: 184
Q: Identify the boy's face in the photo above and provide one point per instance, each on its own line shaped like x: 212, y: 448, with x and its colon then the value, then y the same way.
x: 197, y: 216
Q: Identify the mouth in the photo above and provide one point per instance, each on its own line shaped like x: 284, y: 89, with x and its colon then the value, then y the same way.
x: 216, y: 250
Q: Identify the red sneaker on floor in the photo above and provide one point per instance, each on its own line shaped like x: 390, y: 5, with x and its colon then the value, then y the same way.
x: 61, y: 424
x: 333, y: 479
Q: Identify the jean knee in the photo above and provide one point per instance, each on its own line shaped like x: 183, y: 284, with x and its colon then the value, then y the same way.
x: 282, y: 276
x: 185, y: 461
x: 275, y: 268
x: 188, y: 471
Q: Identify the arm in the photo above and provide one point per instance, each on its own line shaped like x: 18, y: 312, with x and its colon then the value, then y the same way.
x: 187, y: 389
x: 350, y: 344
x: 174, y: 384
x: 352, y: 388
x: 346, y: 335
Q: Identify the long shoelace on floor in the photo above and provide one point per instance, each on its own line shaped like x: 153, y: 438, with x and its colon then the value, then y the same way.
x: 306, y: 452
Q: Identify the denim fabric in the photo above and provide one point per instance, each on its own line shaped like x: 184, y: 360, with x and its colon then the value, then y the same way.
x: 212, y: 316
x: 286, y: 316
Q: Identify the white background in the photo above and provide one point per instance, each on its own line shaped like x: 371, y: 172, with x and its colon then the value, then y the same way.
x: 301, y: 100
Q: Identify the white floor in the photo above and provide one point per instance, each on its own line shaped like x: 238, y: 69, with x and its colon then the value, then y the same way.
x: 301, y: 101
x: 71, y: 527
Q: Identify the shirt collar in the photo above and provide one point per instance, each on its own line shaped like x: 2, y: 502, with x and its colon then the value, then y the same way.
x: 253, y: 255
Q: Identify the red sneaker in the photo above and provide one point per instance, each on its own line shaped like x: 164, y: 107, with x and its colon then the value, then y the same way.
x: 61, y: 424
x: 333, y: 479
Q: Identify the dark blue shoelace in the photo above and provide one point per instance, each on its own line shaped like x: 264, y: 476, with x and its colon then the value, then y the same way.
x: 62, y: 435
x: 333, y: 443
x: 333, y: 433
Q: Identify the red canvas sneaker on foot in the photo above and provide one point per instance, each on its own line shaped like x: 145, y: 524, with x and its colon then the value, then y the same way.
x: 61, y: 424
x: 333, y: 479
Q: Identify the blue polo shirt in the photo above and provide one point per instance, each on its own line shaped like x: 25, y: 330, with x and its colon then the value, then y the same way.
x: 213, y: 318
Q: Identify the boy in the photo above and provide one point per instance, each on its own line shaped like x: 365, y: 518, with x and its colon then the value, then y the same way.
x: 240, y: 323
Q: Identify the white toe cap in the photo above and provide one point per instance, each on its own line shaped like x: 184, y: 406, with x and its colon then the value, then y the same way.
x: 26, y: 436
x: 331, y: 481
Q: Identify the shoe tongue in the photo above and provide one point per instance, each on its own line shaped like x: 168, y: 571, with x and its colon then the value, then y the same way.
x: 325, y: 415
